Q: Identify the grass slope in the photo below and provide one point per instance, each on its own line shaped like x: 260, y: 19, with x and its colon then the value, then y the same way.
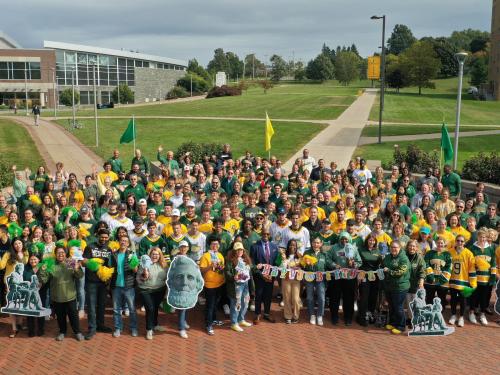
x: 242, y: 135
x: 390, y: 130
x: 17, y: 147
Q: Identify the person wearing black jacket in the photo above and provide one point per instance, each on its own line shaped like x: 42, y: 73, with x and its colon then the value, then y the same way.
x: 29, y: 272
x: 95, y: 288
x: 122, y: 286
x: 313, y: 224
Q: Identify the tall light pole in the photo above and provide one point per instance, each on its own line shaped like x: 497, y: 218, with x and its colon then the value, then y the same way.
x: 461, y: 56
x: 95, y: 108
x: 73, y: 95
x: 382, y: 78
x: 26, y: 87
x: 54, y: 92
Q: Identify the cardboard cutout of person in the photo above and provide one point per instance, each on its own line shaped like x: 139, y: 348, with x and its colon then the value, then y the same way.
x: 184, y: 283
x: 427, y: 319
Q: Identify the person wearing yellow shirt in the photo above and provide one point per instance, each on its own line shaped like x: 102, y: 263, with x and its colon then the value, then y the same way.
x: 315, y: 203
x: 167, y: 229
x: 444, y: 206
x: 106, y: 173
x: 212, y: 269
x: 383, y: 239
x: 206, y: 224
x: 456, y: 229
x: 444, y: 233
x: 230, y: 224
x: 74, y: 196
x: 340, y: 222
x: 166, y: 217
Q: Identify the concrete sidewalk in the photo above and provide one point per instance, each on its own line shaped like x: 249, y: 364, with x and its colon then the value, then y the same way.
x: 338, y: 141
x: 56, y: 144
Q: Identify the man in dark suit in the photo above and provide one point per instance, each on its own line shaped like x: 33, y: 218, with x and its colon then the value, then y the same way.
x: 263, y: 252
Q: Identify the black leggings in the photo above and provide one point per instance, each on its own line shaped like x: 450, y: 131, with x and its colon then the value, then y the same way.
x: 152, y: 301
x: 67, y: 309
x: 457, y: 299
x: 432, y: 290
x: 481, y: 298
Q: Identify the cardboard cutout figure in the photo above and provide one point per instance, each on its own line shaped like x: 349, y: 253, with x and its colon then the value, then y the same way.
x: 184, y: 282
x: 23, y: 297
x: 427, y: 319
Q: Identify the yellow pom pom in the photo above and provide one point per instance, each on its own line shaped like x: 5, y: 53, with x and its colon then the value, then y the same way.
x: 83, y: 232
x: 114, y: 245
x: 104, y: 273
x: 35, y: 199
x: 312, y: 260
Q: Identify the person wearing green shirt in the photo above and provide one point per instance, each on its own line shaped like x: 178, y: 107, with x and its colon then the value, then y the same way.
x: 40, y: 178
x: 452, y: 181
x: 169, y: 162
x: 135, y: 189
x: 397, y: 283
x: 224, y: 237
x: 115, y: 161
x: 141, y: 161
x: 152, y: 239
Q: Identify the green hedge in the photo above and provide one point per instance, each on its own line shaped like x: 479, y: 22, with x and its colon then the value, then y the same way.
x: 198, y: 150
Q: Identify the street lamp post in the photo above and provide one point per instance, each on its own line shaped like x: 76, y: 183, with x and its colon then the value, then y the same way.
x: 73, y: 110
x: 461, y: 56
x: 26, y: 88
x: 382, y: 78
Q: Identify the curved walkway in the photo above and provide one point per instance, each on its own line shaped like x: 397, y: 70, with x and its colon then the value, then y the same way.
x: 417, y: 137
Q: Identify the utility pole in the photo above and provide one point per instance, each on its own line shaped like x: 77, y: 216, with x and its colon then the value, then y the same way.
x: 95, y: 108
x: 26, y: 88
x: 54, y: 91
x: 73, y: 95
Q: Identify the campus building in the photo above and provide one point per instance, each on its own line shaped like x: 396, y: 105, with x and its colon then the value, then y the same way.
x: 494, y: 68
x: 38, y: 76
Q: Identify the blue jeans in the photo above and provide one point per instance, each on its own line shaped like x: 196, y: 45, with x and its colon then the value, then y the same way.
x: 96, y: 303
x: 182, y: 314
x: 239, y: 304
x: 315, y: 288
x: 121, y: 294
x: 396, y: 309
x: 80, y: 291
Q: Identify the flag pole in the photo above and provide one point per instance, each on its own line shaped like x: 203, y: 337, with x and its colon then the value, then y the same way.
x: 133, y: 127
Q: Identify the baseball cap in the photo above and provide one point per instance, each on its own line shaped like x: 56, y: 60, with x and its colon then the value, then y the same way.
x: 178, y: 186
x: 151, y: 210
x: 138, y: 220
x: 281, y: 211
x: 183, y: 243
x: 186, y: 168
x: 122, y: 207
x: 238, y: 246
x: 143, y: 201
x: 84, y: 210
x: 190, y: 204
x: 350, y: 222
x: 176, y: 212
x: 425, y: 230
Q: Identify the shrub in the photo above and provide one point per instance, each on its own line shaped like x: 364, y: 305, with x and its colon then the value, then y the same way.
x: 265, y: 84
x: 198, y: 150
x: 418, y: 160
x: 177, y: 92
x: 243, y: 85
x: 66, y: 97
x: 217, y: 92
x: 200, y: 85
x: 483, y: 167
x: 126, y: 94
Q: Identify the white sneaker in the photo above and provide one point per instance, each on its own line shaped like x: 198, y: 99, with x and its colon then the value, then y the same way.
x: 116, y: 333
x: 143, y: 309
x: 482, y: 319
x: 319, y: 321
x: 282, y: 304
x: 183, y: 334
x: 149, y: 334
x: 187, y: 326
x: 452, y: 320
x: 355, y: 306
x: 313, y: 320
x: 226, y: 309
x: 127, y: 312
x: 252, y: 307
x: 460, y: 321
x: 472, y: 318
x: 244, y: 323
x: 236, y: 327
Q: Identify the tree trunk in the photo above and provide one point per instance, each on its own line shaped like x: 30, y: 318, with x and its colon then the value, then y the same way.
x: 419, y: 90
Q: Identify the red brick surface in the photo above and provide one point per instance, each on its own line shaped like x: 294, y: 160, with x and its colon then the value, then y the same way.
x: 263, y: 349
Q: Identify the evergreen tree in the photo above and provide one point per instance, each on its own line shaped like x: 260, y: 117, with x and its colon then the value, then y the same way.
x: 401, y: 39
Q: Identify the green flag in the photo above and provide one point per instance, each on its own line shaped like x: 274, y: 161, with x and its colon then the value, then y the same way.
x: 446, y: 146
x: 129, y: 134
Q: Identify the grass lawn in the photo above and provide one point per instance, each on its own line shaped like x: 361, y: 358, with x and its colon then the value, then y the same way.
x: 287, y: 101
x: 468, y: 147
x: 17, y: 147
x: 242, y: 135
x: 401, y: 129
x: 432, y: 105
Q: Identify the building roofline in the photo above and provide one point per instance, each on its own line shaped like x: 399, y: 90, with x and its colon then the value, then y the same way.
x: 9, y: 40
x: 113, y: 52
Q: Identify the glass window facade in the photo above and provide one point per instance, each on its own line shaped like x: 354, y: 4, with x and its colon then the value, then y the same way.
x: 19, y: 70
x: 110, y: 70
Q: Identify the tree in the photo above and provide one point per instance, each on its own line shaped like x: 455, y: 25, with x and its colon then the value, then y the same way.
x: 401, y: 39
x: 421, y: 65
x: 396, y: 77
x: 347, y: 67
x: 320, y: 69
x: 200, y: 85
x: 66, y: 97
x: 479, y: 44
x: 253, y: 66
x: 235, y: 65
x: 194, y: 67
x: 278, y: 68
x: 299, y: 72
x: 354, y: 49
x: 219, y: 63
x: 265, y: 84
x: 126, y: 94
x: 461, y: 40
x: 446, y: 54
x: 478, y: 71
x: 363, y: 68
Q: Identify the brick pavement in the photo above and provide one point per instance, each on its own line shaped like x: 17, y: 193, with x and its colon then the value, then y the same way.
x: 263, y: 349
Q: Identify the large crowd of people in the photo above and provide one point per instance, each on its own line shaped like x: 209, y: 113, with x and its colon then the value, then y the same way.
x: 356, y: 243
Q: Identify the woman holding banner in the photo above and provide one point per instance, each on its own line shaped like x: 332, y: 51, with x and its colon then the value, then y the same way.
x: 290, y: 286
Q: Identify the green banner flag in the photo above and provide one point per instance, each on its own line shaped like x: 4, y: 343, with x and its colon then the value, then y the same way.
x: 446, y: 146
x: 129, y: 134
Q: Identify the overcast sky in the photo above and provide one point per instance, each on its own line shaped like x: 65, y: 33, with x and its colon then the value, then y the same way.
x: 185, y: 29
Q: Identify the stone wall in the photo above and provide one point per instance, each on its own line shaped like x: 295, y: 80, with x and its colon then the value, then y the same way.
x: 154, y: 84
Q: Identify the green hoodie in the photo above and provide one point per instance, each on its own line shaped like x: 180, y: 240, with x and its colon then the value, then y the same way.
x: 397, y: 279
x: 417, y: 270
x: 62, y: 282
x: 324, y: 261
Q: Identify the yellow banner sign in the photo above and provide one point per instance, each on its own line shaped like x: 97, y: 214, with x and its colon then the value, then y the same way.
x: 373, y: 67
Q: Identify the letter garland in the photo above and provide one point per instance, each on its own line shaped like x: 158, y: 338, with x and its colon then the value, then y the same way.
x: 341, y: 273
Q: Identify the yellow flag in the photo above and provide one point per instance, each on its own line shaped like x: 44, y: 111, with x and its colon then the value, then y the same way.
x: 269, y: 133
